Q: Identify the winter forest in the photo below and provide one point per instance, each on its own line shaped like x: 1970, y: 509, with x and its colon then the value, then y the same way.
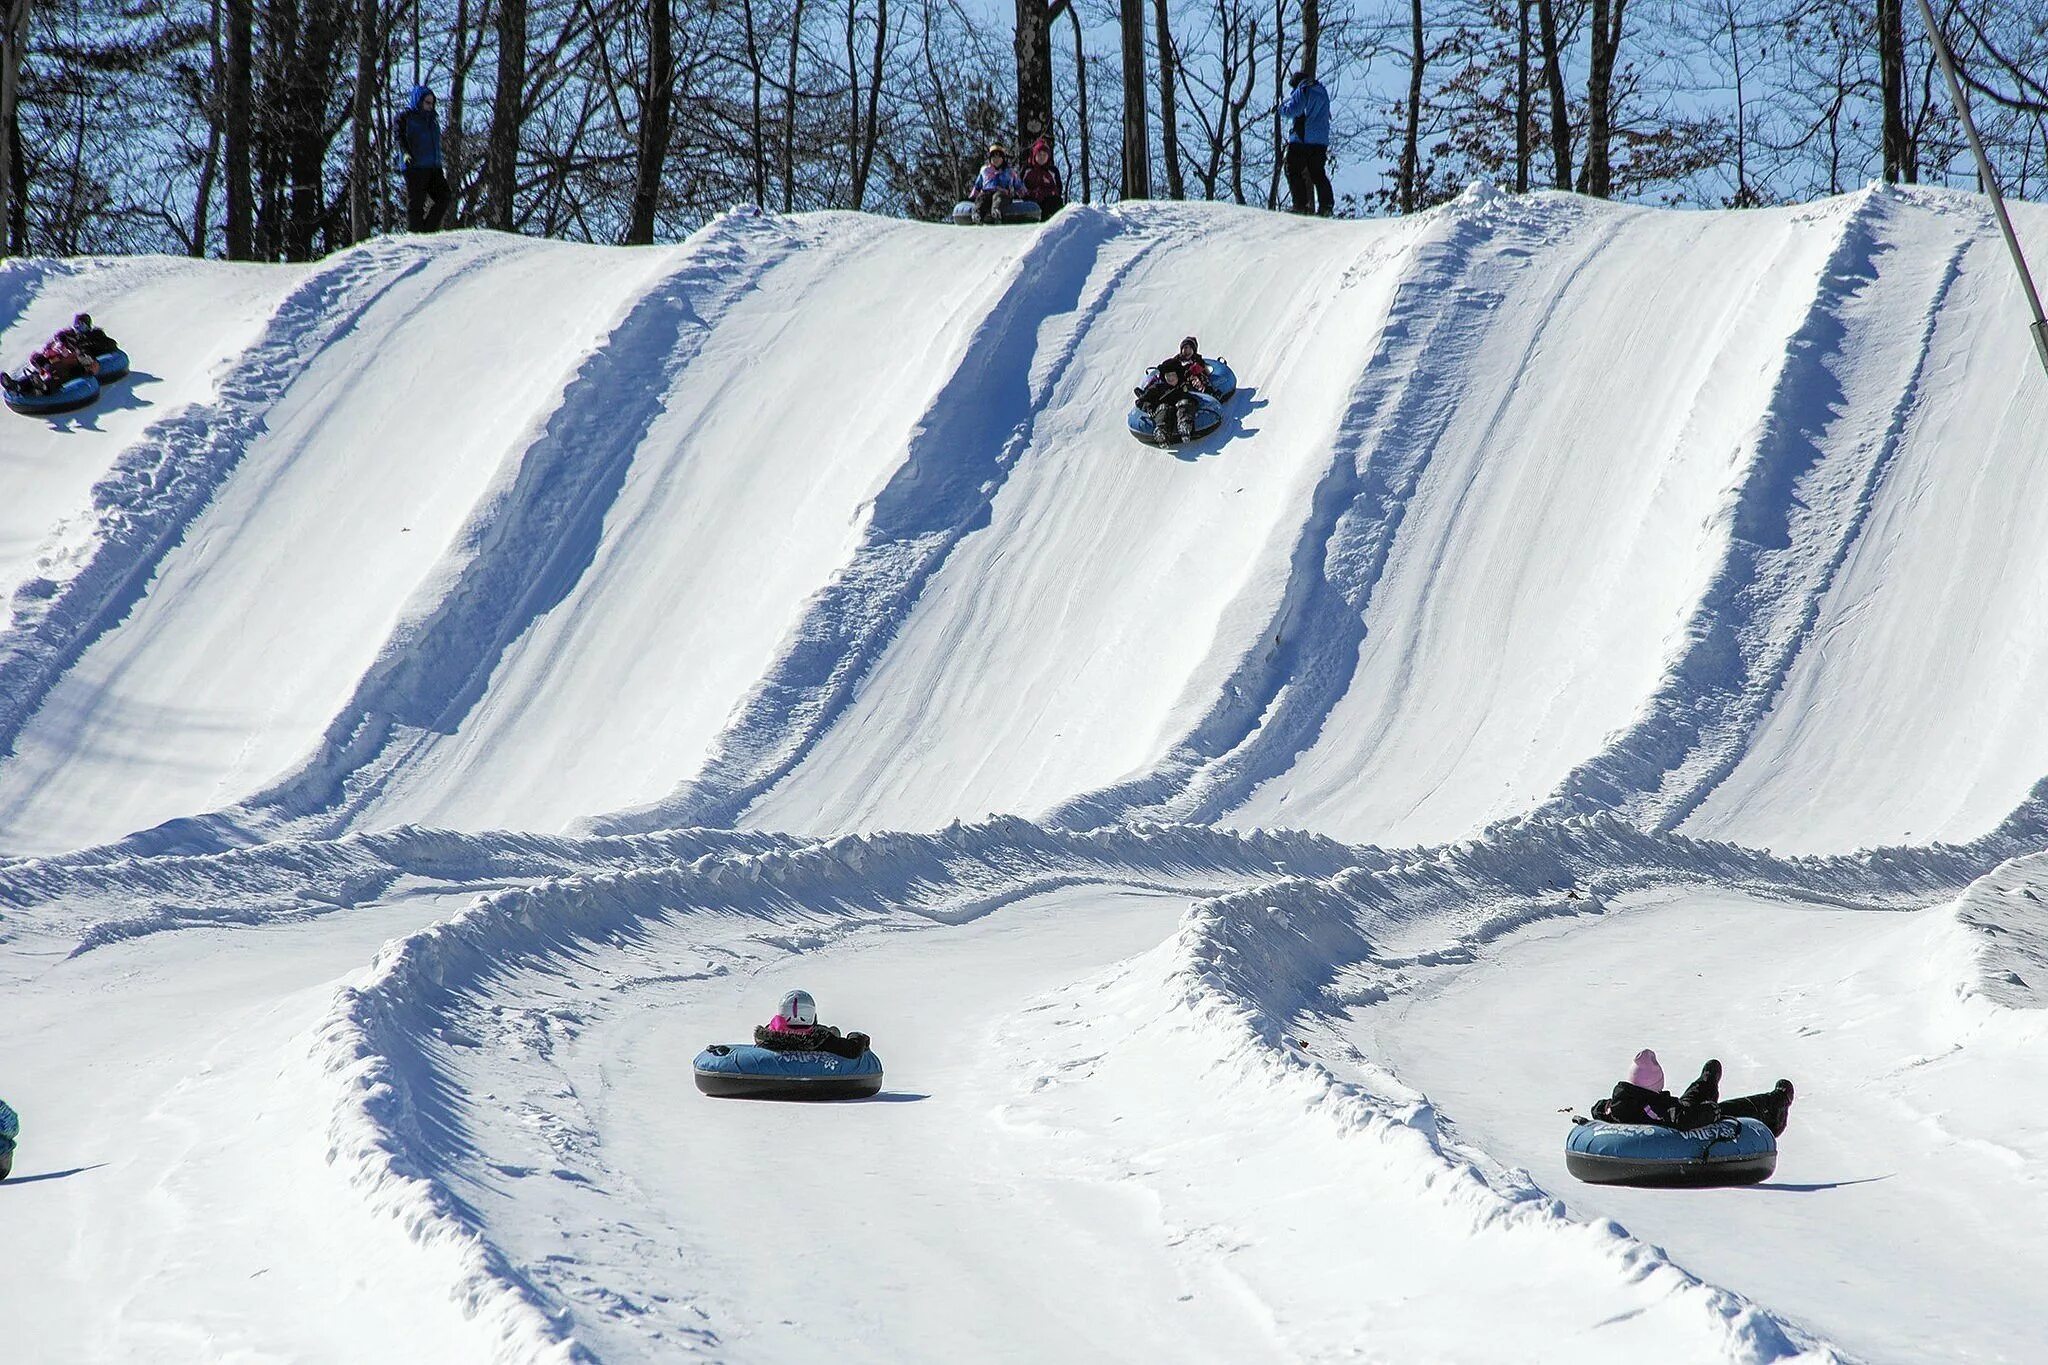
x: 261, y: 129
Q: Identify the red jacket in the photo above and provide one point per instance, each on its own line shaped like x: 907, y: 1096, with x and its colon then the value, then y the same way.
x: 1041, y: 182
x: 60, y: 362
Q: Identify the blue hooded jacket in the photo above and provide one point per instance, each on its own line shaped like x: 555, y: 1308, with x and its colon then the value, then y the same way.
x: 1307, y: 108
x: 419, y: 132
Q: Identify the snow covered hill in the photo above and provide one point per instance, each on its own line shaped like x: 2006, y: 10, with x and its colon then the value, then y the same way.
x: 447, y: 684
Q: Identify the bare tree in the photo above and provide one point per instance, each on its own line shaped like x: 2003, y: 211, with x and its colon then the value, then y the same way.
x: 1169, y: 117
x: 1411, y: 138
x: 1137, y: 138
x: 1560, y: 110
x: 508, y: 116
x: 14, y: 33
x: 657, y: 93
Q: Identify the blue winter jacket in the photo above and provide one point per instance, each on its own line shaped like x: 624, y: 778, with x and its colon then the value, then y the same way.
x: 1005, y: 181
x: 1307, y: 109
x: 419, y: 133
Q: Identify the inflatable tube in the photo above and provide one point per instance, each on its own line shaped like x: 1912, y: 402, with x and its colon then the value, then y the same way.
x: 1727, y: 1152
x: 743, y: 1071
x: 75, y: 394
x: 1020, y: 211
x: 1208, y: 417
x: 10, y: 1129
x: 113, y: 366
x: 1222, y: 379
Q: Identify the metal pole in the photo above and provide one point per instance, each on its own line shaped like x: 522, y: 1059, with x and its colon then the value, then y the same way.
x: 2012, y: 241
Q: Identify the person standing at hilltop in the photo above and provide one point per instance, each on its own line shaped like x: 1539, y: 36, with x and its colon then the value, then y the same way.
x: 1307, y: 111
x: 418, y: 133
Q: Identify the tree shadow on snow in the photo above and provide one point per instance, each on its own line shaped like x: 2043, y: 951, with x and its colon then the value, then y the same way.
x: 50, y: 1175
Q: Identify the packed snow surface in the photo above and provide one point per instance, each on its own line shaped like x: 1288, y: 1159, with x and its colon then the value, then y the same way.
x: 449, y: 684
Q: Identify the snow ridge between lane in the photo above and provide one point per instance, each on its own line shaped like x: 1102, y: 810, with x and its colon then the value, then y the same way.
x: 1274, y: 704
x: 1808, y: 488
x: 392, y: 1134
x: 971, y: 437
x: 529, y: 544
x: 158, y: 485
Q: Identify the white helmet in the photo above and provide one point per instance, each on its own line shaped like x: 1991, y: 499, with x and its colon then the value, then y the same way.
x: 798, y: 1008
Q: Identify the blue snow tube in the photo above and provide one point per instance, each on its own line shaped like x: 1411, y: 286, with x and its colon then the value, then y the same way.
x: 1019, y: 211
x: 10, y: 1129
x: 113, y: 366
x: 1725, y: 1152
x: 72, y: 395
x: 1208, y: 417
x: 743, y: 1071
x: 1222, y: 379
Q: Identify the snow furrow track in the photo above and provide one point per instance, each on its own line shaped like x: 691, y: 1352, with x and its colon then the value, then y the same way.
x: 962, y: 452
x: 1828, y: 439
x: 145, y: 502
x: 528, y: 546
x: 1275, y: 703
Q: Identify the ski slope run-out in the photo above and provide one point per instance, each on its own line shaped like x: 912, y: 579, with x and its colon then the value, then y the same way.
x: 449, y: 683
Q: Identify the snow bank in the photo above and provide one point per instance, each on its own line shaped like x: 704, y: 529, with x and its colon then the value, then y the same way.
x: 391, y: 1131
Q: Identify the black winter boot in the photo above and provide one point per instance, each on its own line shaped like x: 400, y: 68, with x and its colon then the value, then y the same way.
x: 1781, y: 1113
x: 1707, y: 1089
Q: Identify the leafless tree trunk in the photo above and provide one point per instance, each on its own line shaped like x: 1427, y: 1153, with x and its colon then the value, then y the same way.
x: 1311, y: 35
x: 1137, y: 137
x: 1081, y: 87
x: 239, y: 133
x: 1522, y: 96
x: 1169, y: 119
x: 14, y: 32
x: 755, y: 145
x: 1034, y: 73
x: 1596, y: 177
x: 363, y: 171
x: 1411, y: 138
x: 657, y: 96
x: 1560, y: 112
x: 1900, y: 163
x: 789, y: 84
x: 508, y: 111
x: 864, y: 131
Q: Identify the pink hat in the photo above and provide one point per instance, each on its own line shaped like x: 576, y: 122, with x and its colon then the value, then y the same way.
x: 1647, y: 1074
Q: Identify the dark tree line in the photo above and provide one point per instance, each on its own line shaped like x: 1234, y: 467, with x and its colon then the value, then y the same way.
x: 262, y: 129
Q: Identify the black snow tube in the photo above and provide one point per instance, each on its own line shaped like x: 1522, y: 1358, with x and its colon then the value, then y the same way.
x: 1725, y: 1152
x: 743, y: 1071
x: 1019, y: 211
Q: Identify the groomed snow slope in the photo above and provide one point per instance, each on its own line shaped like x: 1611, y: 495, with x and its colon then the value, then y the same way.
x: 587, y: 627
x: 1524, y: 501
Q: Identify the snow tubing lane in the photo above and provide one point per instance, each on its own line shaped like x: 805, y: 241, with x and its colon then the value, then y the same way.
x: 75, y: 394
x: 1208, y: 419
x: 743, y: 1071
x: 1020, y: 211
x: 1727, y: 1152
